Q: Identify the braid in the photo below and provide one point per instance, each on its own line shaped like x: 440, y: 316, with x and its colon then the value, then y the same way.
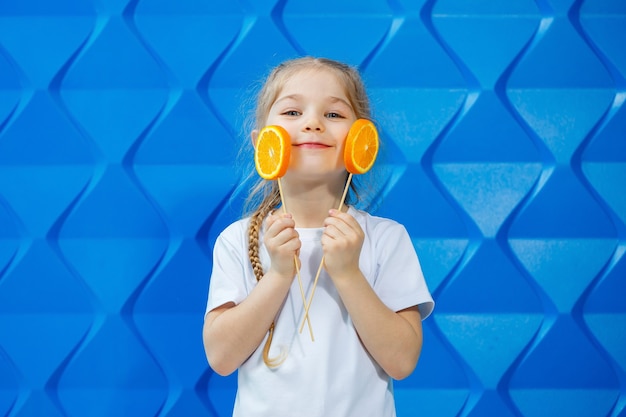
x: 256, y: 222
x: 270, y: 202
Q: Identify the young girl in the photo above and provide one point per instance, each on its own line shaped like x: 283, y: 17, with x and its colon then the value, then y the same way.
x: 371, y: 296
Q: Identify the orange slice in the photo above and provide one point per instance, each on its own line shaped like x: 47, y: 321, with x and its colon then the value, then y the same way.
x: 361, y: 147
x: 272, y: 152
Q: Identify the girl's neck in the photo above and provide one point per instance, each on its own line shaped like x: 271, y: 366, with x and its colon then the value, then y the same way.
x: 310, y: 207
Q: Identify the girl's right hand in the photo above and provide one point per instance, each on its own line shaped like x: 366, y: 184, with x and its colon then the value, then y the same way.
x: 283, y: 244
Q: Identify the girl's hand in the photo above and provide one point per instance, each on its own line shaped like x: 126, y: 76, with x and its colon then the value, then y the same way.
x: 283, y: 244
x: 341, y: 242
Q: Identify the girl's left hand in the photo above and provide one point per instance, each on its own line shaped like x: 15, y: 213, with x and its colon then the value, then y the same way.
x: 341, y: 242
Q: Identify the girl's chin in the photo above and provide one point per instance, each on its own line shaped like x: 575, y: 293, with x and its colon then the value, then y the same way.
x: 315, y: 173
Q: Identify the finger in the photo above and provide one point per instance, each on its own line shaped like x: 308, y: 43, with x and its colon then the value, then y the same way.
x: 333, y: 232
x: 336, y: 227
x: 283, y: 241
x: 345, y: 217
x: 286, y: 236
x: 274, y: 216
x: 270, y: 220
x: 349, y: 223
x: 275, y: 223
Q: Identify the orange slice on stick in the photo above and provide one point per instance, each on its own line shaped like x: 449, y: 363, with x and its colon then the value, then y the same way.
x: 271, y: 159
x: 272, y: 152
x: 359, y: 155
x: 361, y: 147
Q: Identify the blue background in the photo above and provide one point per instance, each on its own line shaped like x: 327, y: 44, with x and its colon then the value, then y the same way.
x: 504, y: 133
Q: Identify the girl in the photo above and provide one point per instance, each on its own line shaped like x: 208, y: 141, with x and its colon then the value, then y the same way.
x: 371, y: 296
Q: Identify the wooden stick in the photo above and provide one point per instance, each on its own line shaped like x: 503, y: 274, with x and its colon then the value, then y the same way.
x: 319, y: 269
x: 295, y: 260
x: 345, y: 191
x: 308, y: 305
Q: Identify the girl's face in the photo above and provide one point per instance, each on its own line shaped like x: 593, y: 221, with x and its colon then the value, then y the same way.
x: 314, y: 109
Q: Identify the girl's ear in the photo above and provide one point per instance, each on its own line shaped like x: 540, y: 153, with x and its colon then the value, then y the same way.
x: 253, y: 135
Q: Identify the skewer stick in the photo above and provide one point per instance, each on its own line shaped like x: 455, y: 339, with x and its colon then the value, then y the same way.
x: 345, y: 191
x: 319, y: 269
x: 295, y: 260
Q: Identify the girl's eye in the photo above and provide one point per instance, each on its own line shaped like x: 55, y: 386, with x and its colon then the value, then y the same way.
x: 291, y: 113
x: 332, y: 115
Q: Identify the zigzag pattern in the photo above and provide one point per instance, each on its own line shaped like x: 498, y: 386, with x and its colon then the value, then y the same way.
x: 504, y: 133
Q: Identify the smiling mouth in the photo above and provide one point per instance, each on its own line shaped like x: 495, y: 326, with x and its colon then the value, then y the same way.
x: 312, y: 145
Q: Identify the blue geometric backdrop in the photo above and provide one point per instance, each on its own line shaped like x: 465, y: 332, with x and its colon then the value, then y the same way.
x: 504, y: 130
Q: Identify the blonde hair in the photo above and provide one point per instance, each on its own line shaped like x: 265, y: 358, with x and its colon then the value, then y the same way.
x: 264, y: 195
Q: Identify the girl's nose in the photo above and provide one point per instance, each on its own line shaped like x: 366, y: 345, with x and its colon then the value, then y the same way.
x: 313, y: 124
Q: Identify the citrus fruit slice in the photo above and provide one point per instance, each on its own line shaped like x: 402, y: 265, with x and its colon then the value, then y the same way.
x: 361, y: 147
x: 272, y: 152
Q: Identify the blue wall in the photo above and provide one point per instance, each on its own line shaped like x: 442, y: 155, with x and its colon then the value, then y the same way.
x: 504, y: 129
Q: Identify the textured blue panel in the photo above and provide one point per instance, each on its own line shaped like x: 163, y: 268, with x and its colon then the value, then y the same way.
x: 561, y: 118
x: 603, y: 24
x: 37, y: 33
x: 344, y: 30
x: 9, y: 88
x: 575, y: 214
x: 504, y: 289
x: 9, y: 238
x: 414, y: 118
x: 88, y: 385
x: 464, y: 25
x: 187, y: 35
x: 564, y: 372
x: 503, y: 127
x: 442, y: 387
x: 41, y: 134
x: 183, y: 137
x: 477, y: 139
x: 31, y: 318
x: 556, y: 57
x: 221, y: 394
x: 424, y: 61
x: 605, y: 312
x: 490, y: 191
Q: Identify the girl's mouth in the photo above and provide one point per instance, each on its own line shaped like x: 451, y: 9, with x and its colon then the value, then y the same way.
x: 311, y: 145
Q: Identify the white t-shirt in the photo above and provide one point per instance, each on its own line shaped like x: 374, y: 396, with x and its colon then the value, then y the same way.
x: 333, y: 375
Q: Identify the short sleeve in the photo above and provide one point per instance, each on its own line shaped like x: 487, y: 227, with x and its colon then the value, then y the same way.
x: 227, y: 283
x: 399, y: 280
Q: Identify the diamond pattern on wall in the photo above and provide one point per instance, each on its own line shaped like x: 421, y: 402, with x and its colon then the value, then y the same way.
x: 503, y: 129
